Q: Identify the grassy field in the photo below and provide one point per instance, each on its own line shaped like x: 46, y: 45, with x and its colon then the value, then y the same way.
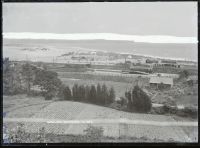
x: 21, y: 106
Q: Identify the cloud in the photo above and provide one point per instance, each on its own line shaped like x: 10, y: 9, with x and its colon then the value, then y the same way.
x: 104, y: 36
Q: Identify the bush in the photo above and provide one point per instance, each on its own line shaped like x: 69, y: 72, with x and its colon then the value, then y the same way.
x: 122, y: 101
x: 169, y: 109
x: 189, y: 111
x: 34, y: 93
x: 48, y: 95
x: 115, y: 105
x: 158, y: 110
x: 138, y: 100
x: 183, y: 74
x: 19, y: 135
x: 94, y: 134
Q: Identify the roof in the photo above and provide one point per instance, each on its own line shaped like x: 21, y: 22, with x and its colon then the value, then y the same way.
x: 164, y: 80
x: 168, y: 61
x: 141, y: 67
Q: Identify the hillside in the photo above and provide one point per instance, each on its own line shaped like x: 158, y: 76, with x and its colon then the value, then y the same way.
x: 65, y: 117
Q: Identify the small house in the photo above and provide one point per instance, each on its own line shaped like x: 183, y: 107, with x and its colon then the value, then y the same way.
x: 158, y: 82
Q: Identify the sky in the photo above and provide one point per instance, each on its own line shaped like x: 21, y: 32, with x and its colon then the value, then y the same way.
x: 129, y: 18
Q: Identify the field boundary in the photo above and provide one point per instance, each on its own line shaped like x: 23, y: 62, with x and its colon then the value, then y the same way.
x: 101, y: 121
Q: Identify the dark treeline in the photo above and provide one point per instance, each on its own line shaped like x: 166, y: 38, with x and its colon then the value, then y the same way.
x: 98, y: 94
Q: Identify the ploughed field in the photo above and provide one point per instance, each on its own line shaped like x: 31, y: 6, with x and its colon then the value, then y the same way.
x: 66, y: 117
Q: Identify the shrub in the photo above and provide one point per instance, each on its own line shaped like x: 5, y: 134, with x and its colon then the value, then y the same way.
x: 19, y: 135
x: 94, y: 133
x: 34, y: 93
x: 122, y: 101
x: 169, y: 109
x: 157, y: 110
x: 115, y: 105
x: 183, y: 74
x: 138, y: 100
x: 189, y: 111
x: 48, y: 95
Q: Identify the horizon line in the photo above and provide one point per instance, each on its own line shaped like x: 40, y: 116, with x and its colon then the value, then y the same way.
x: 101, y: 36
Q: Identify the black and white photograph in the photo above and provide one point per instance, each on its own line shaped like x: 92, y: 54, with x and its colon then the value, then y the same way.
x: 100, y: 72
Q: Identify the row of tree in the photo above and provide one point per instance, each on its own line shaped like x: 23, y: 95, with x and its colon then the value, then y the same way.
x: 98, y: 94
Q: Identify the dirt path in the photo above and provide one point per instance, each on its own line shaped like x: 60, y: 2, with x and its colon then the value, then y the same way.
x: 102, y: 121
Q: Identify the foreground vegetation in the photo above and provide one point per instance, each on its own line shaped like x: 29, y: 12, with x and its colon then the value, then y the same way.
x: 92, y: 134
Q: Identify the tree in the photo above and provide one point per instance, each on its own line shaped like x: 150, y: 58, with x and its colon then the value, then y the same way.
x: 111, y: 97
x: 7, y: 76
x: 81, y: 92
x: 67, y: 93
x: 75, y: 92
x: 92, y: 94
x: 28, y: 73
x: 12, y: 82
x: 87, y: 93
x: 104, y: 94
x: 49, y: 82
x: 99, y: 95
x: 129, y: 97
x: 138, y: 101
